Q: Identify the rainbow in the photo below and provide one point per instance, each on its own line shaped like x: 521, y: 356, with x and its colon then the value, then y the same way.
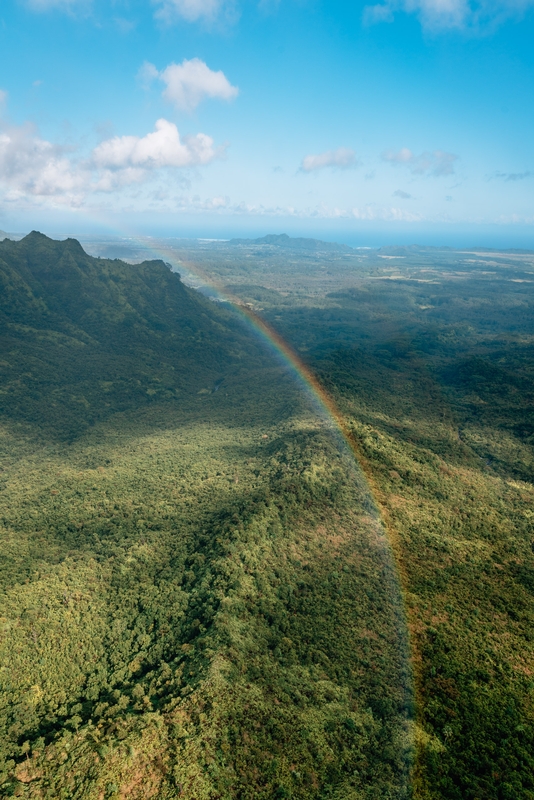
x: 326, y: 408
x: 322, y: 401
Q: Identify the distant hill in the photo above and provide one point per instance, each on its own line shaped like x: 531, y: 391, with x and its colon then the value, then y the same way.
x: 84, y: 337
x: 295, y: 243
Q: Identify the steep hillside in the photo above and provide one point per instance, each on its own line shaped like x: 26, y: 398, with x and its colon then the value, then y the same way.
x: 82, y: 338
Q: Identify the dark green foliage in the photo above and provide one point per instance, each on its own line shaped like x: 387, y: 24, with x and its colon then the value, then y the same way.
x: 193, y: 594
x: 251, y: 613
x: 197, y: 599
x: 83, y: 338
x: 430, y: 357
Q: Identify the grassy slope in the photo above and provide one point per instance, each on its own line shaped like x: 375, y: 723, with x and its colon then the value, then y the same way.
x: 195, y: 599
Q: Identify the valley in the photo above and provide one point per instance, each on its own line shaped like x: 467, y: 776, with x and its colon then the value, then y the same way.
x: 204, y: 595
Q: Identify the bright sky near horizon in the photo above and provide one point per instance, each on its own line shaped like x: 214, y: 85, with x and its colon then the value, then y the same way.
x: 223, y: 116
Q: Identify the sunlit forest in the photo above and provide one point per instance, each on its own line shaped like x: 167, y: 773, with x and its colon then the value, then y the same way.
x: 206, y: 592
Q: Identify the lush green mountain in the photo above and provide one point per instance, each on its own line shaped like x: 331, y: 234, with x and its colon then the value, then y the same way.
x: 196, y: 597
x: 82, y: 338
x: 295, y: 243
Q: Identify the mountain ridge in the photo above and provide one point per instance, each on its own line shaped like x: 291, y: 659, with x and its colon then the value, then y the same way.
x: 135, y: 327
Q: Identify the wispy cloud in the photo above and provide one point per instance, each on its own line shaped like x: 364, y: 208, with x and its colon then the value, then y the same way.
x: 170, y: 11
x: 124, y: 25
x: 385, y: 213
x: 61, y: 5
x: 189, y: 83
x: 342, y: 158
x: 402, y: 194
x: 512, y: 176
x: 437, y: 163
x: 475, y: 15
x: 224, y: 206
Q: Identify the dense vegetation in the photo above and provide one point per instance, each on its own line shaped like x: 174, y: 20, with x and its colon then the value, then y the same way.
x: 431, y: 361
x: 197, y: 596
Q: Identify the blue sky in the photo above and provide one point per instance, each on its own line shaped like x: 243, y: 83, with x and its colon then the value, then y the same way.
x: 399, y: 120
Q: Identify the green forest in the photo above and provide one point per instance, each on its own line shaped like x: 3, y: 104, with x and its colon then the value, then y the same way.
x: 204, y: 594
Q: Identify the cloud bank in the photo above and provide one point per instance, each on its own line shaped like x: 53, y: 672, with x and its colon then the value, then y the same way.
x: 189, y: 83
x: 342, y: 158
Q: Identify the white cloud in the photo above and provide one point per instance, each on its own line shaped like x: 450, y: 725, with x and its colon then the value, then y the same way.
x: 190, y: 10
x: 190, y: 82
x: 33, y: 167
x: 161, y: 148
x: 475, y: 15
x: 436, y: 163
x: 341, y: 158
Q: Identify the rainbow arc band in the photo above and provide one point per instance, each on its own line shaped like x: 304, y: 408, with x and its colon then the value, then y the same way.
x: 326, y: 408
